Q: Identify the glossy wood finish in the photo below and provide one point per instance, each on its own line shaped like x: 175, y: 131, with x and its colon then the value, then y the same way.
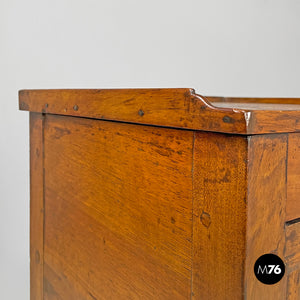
x: 220, y: 213
x: 266, y: 199
x: 292, y: 248
x: 180, y: 108
x: 124, y: 210
x: 293, y: 179
x: 36, y: 206
x: 117, y: 224
x: 292, y: 255
x: 294, y: 286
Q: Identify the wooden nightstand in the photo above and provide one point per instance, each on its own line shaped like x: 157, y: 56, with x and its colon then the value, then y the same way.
x: 161, y: 194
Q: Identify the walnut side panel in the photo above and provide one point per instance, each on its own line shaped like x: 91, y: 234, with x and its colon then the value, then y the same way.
x: 266, y: 203
x: 118, y: 210
x: 293, y: 184
x: 36, y: 206
x: 219, y: 216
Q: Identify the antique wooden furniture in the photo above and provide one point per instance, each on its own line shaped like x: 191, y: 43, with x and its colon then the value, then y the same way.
x: 161, y: 194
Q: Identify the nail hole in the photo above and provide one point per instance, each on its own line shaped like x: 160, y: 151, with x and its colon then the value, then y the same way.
x: 227, y: 119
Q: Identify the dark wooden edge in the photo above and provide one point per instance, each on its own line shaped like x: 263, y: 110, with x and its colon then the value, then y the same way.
x: 36, y: 206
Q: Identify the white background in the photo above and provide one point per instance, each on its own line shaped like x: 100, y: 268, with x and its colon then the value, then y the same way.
x: 229, y: 48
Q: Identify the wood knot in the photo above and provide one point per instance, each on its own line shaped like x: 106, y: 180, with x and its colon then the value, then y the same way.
x: 227, y: 119
x: 205, y: 219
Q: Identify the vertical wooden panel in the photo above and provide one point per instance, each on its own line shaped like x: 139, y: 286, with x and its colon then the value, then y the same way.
x: 292, y: 247
x: 293, y: 286
x: 36, y: 206
x: 219, y: 216
x: 293, y: 183
x: 118, y: 210
x: 266, y: 203
x: 292, y: 258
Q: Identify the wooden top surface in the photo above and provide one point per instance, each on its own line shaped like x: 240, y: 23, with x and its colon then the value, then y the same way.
x: 177, y: 108
x: 258, y: 106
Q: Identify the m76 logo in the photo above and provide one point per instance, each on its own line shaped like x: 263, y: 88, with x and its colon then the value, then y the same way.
x: 269, y: 269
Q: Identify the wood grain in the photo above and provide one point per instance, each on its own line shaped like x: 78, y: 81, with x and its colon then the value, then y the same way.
x: 293, y: 184
x: 219, y: 218
x: 36, y: 206
x: 176, y: 108
x: 266, y: 201
x: 118, y: 203
x: 160, y: 194
x: 293, y: 286
x: 292, y: 247
x: 258, y: 106
x: 271, y: 121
